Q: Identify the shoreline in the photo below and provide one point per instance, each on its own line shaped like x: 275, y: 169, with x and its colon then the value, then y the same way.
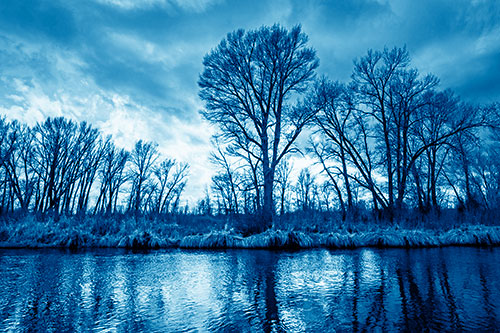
x: 470, y: 235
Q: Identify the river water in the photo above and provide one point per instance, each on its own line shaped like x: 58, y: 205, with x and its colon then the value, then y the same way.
x: 444, y: 289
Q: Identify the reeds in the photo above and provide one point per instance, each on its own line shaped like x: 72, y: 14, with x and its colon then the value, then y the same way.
x: 70, y: 234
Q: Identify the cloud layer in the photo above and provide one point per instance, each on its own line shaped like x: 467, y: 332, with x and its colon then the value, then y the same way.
x: 131, y: 67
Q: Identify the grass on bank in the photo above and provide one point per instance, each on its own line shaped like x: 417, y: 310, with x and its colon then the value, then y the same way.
x: 295, y: 230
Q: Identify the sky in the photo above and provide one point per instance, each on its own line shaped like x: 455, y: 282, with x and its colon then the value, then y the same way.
x: 130, y: 67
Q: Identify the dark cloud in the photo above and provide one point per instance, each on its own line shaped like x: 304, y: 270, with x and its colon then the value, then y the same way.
x: 35, y: 19
x: 477, y: 79
x: 179, y: 37
x: 115, y: 70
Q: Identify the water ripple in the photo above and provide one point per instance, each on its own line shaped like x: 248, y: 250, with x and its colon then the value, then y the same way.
x: 449, y: 289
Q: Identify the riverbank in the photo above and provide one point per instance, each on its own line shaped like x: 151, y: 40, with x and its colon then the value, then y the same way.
x: 69, y: 233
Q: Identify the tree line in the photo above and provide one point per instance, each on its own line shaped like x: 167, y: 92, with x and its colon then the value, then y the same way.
x: 389, y: 139
x: 60, y: 166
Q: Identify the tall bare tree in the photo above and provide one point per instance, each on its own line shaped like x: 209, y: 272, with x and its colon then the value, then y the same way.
x: 283, y: 179
x: 305, y: 190
x: 56, y: 161
x: 19, y: 166
x: 372, y: 76
x: 250, y: 85
x: 112, y: 177
x: 227, y: 181
x: 143, y: 158
x: 9, y: 137
x: 375, y: 124
x: 171, y: 177
x: 435, y: 117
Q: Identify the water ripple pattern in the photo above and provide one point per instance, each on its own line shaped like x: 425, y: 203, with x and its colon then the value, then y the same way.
x: 444, y: 289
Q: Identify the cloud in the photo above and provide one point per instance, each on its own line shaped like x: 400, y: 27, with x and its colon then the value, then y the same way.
x: 187, y: 5
x: 34, y: 19
x: 123, y: 119
x: 66, y: 89
x: 131, y: 67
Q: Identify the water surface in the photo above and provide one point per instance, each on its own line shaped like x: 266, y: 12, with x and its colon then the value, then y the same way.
x: 448, y: 289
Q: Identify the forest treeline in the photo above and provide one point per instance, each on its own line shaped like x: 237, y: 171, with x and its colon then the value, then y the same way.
x: 60, y: 166
x: 387, y: 141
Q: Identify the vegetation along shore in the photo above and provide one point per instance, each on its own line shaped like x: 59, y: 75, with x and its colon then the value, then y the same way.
x: 395, y: 160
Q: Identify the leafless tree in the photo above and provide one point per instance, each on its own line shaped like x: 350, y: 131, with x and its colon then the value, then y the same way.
x: 372, y: 76
x: 335, y: 121
x: 250, y: 85
x: 283, y: 180
x: 306, y: 190
x: 56, y: 162
x: 143, y: 158
x: 436, y: 115
x: 347, y: 139
x: 171, y: 180
x: 382, y: 124
x: 251, y: 178
x: 226, y: 182
x: 9, y: 143
x: 459, y: 170
x: 18, y: 165
x: 86, y: 155
x: 112, y: 177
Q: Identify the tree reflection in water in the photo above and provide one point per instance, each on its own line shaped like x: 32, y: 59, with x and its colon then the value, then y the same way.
x: 449, y: 289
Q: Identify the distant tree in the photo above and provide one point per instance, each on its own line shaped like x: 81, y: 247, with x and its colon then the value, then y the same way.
x: 250, y: 86
x: 143, y: 158
x: 324, y: 153
x: 251, y: 178
x: 57, y: 161
x: 9, y: 144
x: 52, y: 168
x: 226, y: 183
x: 19, y: 166
x: 326, y: 192
x: 86, y: 156
x: 283, y: 179
x: 305, y: 190
x: 112, y: 177
x: 171, y: 177
x: 204, y: 206
x: 8, y: 136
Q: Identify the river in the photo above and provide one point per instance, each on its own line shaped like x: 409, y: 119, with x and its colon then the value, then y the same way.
x: 444, y: 289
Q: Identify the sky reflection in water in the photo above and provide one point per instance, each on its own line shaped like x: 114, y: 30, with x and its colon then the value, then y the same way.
x: 316, y: 290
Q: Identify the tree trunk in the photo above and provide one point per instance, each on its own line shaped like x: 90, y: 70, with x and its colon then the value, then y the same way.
x: 433, y: 180
x: 268, y: 206
x: 350, y: 203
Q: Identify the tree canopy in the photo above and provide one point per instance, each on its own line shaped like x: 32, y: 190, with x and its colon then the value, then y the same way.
x: 252, y: 86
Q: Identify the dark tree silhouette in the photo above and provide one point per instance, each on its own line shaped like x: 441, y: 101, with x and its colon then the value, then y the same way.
x: 56, y: 158
x: 250, y: 85
x: 305, y: 189
x: 112, y: 177
x: 373, y: 75
x: 283, y: 179
x: 170, y: 177
x: 379, y: 130
x: 226, y: 182
x: 143, y: 158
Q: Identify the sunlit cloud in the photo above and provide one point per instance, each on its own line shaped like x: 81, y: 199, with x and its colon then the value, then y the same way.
x: 188, y: 5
